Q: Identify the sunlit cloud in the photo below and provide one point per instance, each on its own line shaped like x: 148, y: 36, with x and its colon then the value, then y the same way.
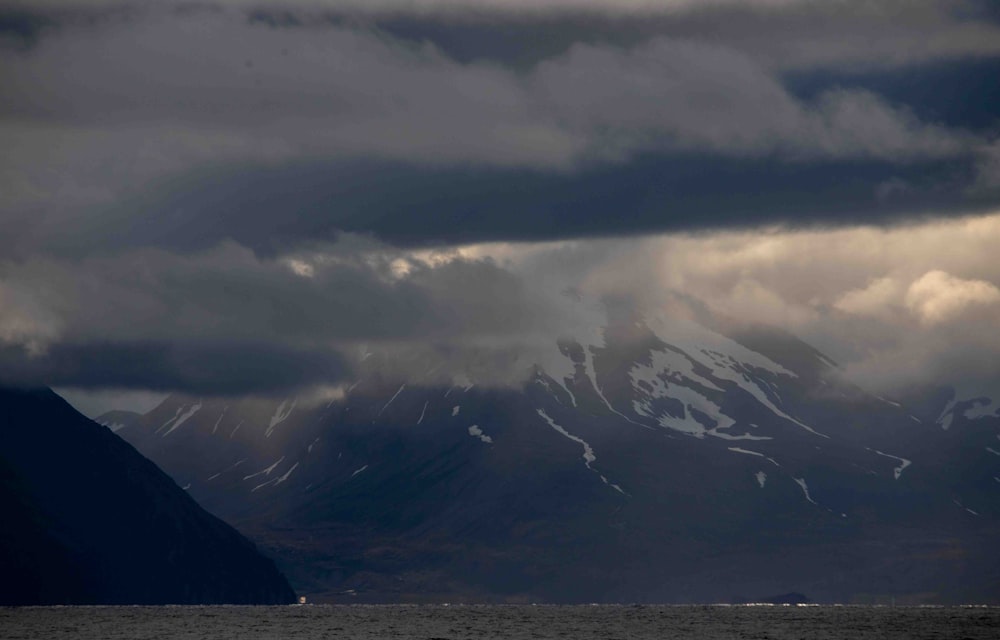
x: 939, y: 297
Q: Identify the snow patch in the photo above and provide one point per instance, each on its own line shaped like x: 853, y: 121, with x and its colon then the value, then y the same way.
x: 221, y: 415
x: 357, y: 471
x: 975, y: 513
x: 590, y: 370
x: 394, y: 396
x: 276, y: 481
x: 944, y: 420
x: 586, y: 328
x: 726, y: 359
x: 178, y: 421
x: 588, y: 452
x: 423, y: 411
x: 177, y: 414
x: 266, y: 471
x: 898, y: 471
x: 693, y: 338
x: 455, y: 410
x: 280, y: 415
x: 982, y: 408
x: 588, y: 332
x: 805, y: 489
x: 746, y: 451
x: 679, y: 364
x: 476, y: 432
x: 227, y: 469
x: 287, y: 473
x: 561, y: 381
x: 895, y: 404
x: 761, y: 478
x: 743, y: 381
x: 691, y: 400
x: 754, y: 453
x: 828, y: 362
x: 559, y: 366
x: 264, y: 484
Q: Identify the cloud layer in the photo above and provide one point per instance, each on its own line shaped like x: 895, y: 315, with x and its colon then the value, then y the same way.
x: 240, y: 196
x: 134, y: 110
x: 912, y: 305
x: 897, y: 307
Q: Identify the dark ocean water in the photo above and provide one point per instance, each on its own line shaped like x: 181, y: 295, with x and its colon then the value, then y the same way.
x: 514, y: 622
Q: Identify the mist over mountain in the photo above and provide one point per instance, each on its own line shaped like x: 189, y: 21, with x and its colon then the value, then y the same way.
x: 649, y: 459
x: 510, y: 300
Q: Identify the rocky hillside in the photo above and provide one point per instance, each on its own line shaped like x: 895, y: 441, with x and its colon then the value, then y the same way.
x: 88, y: 520
x: 641, y: 460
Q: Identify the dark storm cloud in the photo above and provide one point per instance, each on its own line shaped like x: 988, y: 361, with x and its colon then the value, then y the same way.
x: 786, y: 35
x: 235, y: 192
x: 351, y: 291
x: 212, y: 368
x: 274, y: 210
x: 229, y: 322
x: 21, y: 28
x: 794, y: 33
x: 180, y: 129
x: 953, y: 93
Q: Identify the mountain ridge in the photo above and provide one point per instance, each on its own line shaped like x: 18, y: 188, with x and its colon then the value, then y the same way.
x: 91, y: 521
x: 674, y: 464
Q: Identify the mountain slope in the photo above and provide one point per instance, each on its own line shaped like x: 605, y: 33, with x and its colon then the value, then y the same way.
x: 642, y: 460
x: 87, y: 520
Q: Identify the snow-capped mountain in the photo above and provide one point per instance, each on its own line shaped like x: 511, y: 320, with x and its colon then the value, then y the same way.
x: 642, y: 460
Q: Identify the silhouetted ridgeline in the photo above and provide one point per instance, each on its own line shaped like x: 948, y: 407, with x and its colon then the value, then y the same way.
x: 88, y: 520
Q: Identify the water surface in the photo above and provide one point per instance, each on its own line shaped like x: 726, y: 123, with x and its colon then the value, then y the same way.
x: 494, y: 622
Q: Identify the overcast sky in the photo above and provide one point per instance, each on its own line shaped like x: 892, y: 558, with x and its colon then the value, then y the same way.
x: 239, y: 197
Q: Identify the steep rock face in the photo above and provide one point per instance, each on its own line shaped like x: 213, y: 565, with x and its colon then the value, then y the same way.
x: 119, y: 419
x: 642, y: 460
x: 88, y: 520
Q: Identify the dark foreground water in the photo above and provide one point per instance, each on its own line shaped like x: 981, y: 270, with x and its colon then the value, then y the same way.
x: 513, y: 622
